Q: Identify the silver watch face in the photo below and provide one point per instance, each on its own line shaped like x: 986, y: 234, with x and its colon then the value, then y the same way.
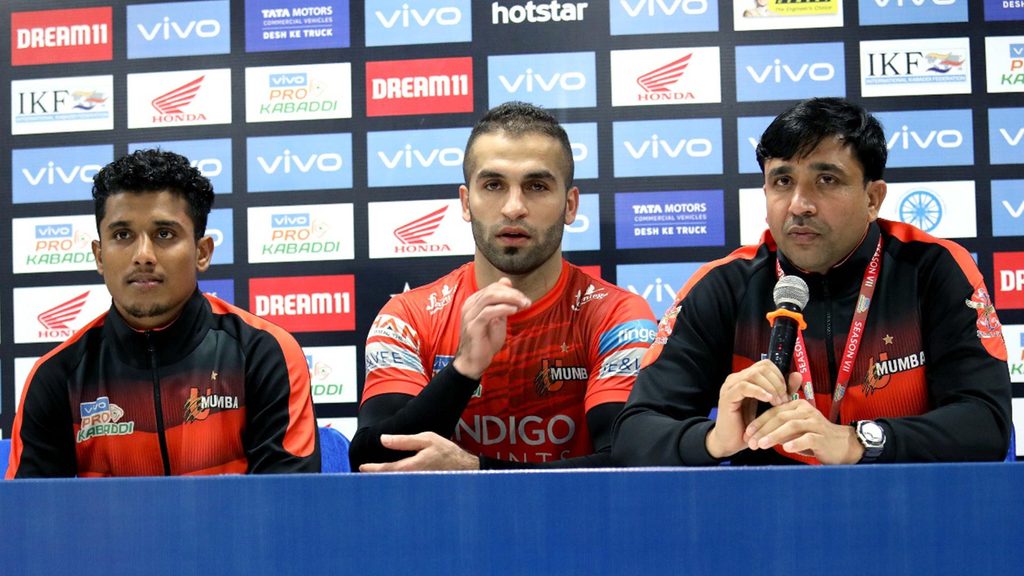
x: 871, y: 433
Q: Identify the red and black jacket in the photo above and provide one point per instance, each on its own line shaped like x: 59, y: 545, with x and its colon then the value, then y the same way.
x: 217, y: 391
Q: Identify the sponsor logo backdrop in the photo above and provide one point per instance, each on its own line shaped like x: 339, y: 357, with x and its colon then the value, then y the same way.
x: 333, y: 132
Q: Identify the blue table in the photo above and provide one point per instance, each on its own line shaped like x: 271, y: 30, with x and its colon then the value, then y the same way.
x: 906, y: 519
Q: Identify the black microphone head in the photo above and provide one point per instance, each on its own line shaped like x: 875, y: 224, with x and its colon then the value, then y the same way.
x: 791, y: 290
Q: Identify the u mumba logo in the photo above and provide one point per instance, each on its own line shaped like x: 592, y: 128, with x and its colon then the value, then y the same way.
x: 553, y: 376
x: 921, y: 208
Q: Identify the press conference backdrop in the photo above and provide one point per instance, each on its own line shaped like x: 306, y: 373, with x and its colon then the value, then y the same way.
x: 333, y: 133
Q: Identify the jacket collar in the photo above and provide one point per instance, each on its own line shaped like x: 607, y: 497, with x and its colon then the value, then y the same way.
x: 170, y: 344
x: 845, y: 277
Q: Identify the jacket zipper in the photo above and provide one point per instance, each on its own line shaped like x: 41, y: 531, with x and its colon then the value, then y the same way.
x: 158, y: 405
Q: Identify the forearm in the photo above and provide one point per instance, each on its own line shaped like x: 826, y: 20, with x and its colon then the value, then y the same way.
x: 644, y: 437
x: 964, y: 431
x: 436, y: 408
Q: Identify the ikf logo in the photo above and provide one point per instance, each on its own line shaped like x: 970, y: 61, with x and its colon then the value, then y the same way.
x: 296, y: 24
x: 1006, y: 135
x: 307, y: 162
x: 53, y: 244
x: 656, y: 283
x: 1008, y: 207
x: 430, y: 86
x: 662, y: 16
x: 54, y: 313
x: 415, y: 157
x: 585, y: 232
x: 665, y: 76
x: 942, y: 209
x: 1008, y: 274
x: 669, y: 219
x: 300, y: 233
x: 222, y: 289
x: 1003, y: 10
x: 332, y: 373
x: 915, y: 67
x: 305, y: 303
x: 50, y: 105
x: 419, y: 228
x: 1004, y: 63
x: 583, y: 141
x: 748, y: 136
x: 929, y: 138
x: 56, y: 174
x: 185, y: 98
x: 211, y: 157
x: 564, y: 80
x: 667, y: 147
x: 179, y: 29
x: 790, y: 71
x: 220, y: 229
x: 883, y: 12
x: 400, y: 22
x: 304, y: 92
x: 52, y: 36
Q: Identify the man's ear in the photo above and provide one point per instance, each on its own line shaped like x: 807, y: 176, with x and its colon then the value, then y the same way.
x: 876, y: 195
x: 464, y: 198
x: 204, y: 253
x: 97, y: 254
x: 572, y: 205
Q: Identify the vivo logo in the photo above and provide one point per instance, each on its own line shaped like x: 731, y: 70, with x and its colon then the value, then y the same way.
x: 580, y: 152
x: 54, y: 231
x: 209, y: 167
x: 288, y: 162
x: 818, y: 72
x: 1014, y: 139
x: 663, y: 8
x: 288, y: 80
x: 655, y: 147
x: 409, y: 17
x: 168, y: 29
x: 53, y: 174
x: 530, y: 81
x: 1014, y: 212
x: 658, y: 291
x: 298, y: 220
x: 904, y: 137
x: 410, y: 157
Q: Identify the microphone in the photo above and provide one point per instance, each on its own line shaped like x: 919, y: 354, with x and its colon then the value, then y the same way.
x: 791, y: 295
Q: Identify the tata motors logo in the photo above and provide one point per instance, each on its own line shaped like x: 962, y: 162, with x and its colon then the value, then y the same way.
x: 401, y: 22
x: 943, y: 209
x: 211, y: 157
x: 665, y: 76
x: 332, y: 373
x: 53, y: 244
x: 658, y: 284
x: 929, y: 137
x: 1008, y: 207
x: 296, y: 24
x: 52, y: 36
x: 429, y: 86
x: 179, y: 29
x: 1008, y: 275
x: 790, y: 71
x: 1003, y: 10
x: 415, y: 157
x: 662, y: 16
x: 563, y: 80
x: 306, y: 233
x: 186, y: 98
x: 1006, y: 135
x: 669, y: 219
x: 56, y: 174
x: 418, y: 228
x: 54, y: 313
x: 1004, y: 63
x: 50, y: 105
x: 883, y: 12
x: 305, y: 303
x: 667, y: 147
x: 306, y: 92
x: 306, y: 162
x: 915, y: 67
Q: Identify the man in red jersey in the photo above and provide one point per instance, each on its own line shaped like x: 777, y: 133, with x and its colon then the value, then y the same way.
x: 169, y: 381
x: 902, y: 357
x: 517, y: 359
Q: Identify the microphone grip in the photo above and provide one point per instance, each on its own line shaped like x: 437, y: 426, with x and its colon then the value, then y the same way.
x: 781, y: 344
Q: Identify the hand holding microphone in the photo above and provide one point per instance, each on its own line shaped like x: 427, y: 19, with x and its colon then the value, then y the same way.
x: 791, y: 295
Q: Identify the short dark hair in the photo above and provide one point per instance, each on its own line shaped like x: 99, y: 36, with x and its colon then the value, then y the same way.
x: 798, y: 131
x: 155, y: 171
x: 518, y: 119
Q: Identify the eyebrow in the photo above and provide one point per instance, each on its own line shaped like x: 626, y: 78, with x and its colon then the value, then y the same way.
x: 536, y: 175
x: 816, y: 166
x: 158, y: 223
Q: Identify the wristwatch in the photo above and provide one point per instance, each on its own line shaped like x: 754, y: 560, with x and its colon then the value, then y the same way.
x: 872, y: 436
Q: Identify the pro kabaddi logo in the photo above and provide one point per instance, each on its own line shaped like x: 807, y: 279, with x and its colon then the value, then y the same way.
x: 102, y: 418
